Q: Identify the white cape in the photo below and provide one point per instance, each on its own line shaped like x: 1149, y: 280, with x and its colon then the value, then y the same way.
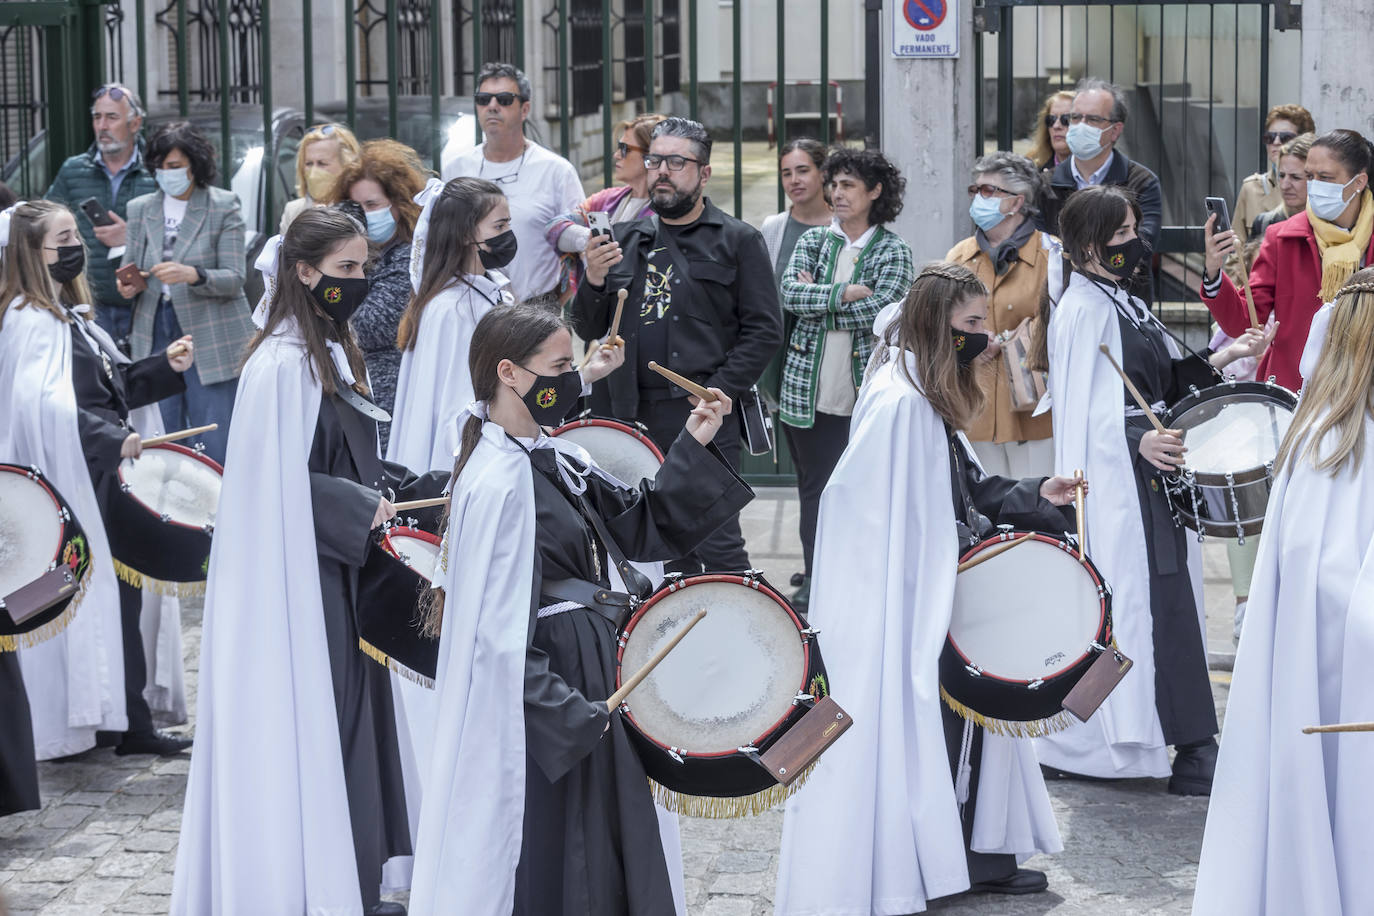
x: 876, y: 828
x: 75, y: 680
x: 265, y: 828
x: 1124, y: 737
x: 1288, y: 826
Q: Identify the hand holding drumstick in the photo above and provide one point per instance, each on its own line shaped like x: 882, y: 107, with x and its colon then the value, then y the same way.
x: 1162, y: 447
x: 1061, y: 491
x: 600, y: 363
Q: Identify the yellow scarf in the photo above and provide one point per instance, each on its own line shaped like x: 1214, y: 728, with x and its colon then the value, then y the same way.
x: 1342, y: 250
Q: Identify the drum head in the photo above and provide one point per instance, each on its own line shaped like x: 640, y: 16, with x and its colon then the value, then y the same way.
x: 417, y: 549
x: 619, y: 450
x: 30, y: 529
x: 176, y: 482
x: 730, y: 681
x: 1233, y: 431
x: 1027, y: 615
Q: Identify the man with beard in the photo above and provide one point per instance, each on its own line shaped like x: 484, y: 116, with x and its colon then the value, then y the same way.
x: 538, y: 184
x: 701, y: 302
x: 113, y: 172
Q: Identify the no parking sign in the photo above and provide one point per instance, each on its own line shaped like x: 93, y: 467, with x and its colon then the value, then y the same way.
x: 925, y: 28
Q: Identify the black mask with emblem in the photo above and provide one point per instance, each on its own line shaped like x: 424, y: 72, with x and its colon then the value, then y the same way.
x: 967, y: 345
x: 340, y: 296
x: 551, y: 397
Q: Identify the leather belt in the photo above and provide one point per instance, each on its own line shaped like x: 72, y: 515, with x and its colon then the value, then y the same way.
x: 614, y: 606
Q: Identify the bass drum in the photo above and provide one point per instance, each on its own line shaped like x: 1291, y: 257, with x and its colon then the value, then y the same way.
x: 745, y: 675
x: 625, y: 452
x: 163, y: 517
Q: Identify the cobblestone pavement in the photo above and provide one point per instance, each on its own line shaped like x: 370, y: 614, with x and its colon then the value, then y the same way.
x: 105, y: 840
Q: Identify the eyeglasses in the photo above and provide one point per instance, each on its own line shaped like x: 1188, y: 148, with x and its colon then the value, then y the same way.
x: 674, y: 163
x: 504, y: 99
x: 1273, y: 137
x: 988, y: 190
x: 624, y: 149
x: 1094, y: 120
x: 513, y: 177
x: 1062, y: 120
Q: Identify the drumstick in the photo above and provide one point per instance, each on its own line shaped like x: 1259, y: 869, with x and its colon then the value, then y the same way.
x: 176, y: 349
x: 1135, y: 392
x: 183, y: 434
x: 1080, y: 511
x: 420, y: 503
x: 613, y: 338
x: 619, y: 696
x: 991, y: 552
x: 1250, y: 302
x: 1344, y: 727
x: 682, y: 382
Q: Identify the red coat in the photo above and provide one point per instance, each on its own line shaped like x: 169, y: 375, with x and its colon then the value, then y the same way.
x: 1285, y: 280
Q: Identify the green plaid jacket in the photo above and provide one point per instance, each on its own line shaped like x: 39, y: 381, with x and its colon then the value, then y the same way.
x: 884, y: 266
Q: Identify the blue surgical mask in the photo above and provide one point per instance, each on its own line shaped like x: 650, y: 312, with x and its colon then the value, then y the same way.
x: 174, y: 182
x: 381, y: 225
x: 1084, y: 140
x: 1326, y: 198
x: 986, y: 211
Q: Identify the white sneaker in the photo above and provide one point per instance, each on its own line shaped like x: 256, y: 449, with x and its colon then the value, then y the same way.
x: 1240, y: 618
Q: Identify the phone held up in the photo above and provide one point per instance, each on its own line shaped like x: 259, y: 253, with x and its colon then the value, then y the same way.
x: 1217, y: 206
x: 97, y: 214
x: 600, y: 223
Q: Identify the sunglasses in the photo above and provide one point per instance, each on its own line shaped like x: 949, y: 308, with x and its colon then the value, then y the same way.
x: 1272, y: 137
x: 115, y: 93
x: 624, y: 149
x: 504, y: 99
x: 988, y: 190
x: 1061, y: 120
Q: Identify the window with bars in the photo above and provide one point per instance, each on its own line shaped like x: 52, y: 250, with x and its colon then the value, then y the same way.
x: 496, y: 42
x: 413, y: 66
x: 201, y: 45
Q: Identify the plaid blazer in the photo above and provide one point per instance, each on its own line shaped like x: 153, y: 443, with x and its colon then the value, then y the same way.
x: 884, y: 266
x: 215, y: 313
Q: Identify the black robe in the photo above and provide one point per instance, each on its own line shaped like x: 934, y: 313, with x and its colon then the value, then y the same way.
x: 981, y: 503
x: 1183, y: 692
x: 18, y: 771
x: 591, y: 836
x: 346, y: 481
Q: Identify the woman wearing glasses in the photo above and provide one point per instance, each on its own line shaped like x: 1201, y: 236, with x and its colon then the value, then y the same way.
x: 1050, y: 146
x: 1020, y: 266
x: 1260, y: 192
x: 324, y: 151
x: 628, y: 199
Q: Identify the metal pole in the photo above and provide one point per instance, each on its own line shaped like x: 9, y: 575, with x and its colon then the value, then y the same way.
x: 308, y: 63
x: 1263, y: 61
x: 183, y: 99
x: 873, y: 65
x: 436, y: 83
x: 1005, y: 70
x: 520, y: 34
x: 141, y: 42
x: 692, y: 60
x: 736, y: 106
x: 351, y: 63
x: 476, y: 60
x: 825, y: 71
x: 649, y: 55
x: 606, y: 92
x: 780, y: 97
x: 226, y: 159
x: 393, y: 88
x: 268, y: 153
x: 564, y: 113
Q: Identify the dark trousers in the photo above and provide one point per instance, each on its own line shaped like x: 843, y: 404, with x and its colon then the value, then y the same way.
x: 724, y: 549
x: 815, y: 452
x: 118, y: 322
x: 135, y: 665
x: 982, y: 866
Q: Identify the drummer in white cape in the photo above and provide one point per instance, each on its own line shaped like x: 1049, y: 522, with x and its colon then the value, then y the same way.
x: 69, y: 395
x: 295, y: 796
x: 1140, y: 550
x: 1288, y: 824
x: 913, y: 802
x: 536, y: 802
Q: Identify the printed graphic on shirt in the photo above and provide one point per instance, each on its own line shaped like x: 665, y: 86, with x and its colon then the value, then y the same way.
x: 658, y: 292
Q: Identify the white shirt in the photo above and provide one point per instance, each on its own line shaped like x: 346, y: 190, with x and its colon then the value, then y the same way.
x: 1095, y: 178
x: 173, y: 212
x: 835, y: 391
x: 547, y: 186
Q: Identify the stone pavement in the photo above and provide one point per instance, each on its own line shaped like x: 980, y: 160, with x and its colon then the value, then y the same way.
x: 105, y: 840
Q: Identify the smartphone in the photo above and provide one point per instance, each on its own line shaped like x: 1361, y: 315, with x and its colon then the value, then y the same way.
x: 130, y: 275
x: 600, y: 223
x: 1217, y: 205
x: 97, y: 214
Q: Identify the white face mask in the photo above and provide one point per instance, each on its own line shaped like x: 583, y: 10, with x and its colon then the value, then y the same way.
x: 1084, y: 140
x: 1326, y: 198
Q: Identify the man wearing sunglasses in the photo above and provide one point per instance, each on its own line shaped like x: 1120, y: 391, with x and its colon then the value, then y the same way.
x: 702, y: 302
x: 113, y: 172
x: 1097, y: 119
x: 538, y: 183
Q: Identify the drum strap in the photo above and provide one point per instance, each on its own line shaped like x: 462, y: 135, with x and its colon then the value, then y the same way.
x: 614, y: 606
x: 635, y: 581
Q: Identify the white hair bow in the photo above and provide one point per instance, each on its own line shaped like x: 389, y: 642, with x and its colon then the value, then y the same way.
x: 267, y: 263
x: 420, y: 237
x: 6, y: 217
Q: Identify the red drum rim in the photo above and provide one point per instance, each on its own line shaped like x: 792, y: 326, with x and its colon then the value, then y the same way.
x: 673, y: 588
x: 37, y: 477
x: 406, y: 531
x: 1088, y: 567
x: 181, y: 449
x: 611, y: 424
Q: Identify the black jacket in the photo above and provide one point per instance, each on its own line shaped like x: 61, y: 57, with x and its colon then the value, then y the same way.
x: 1122, y: 172
x: 726, y: 322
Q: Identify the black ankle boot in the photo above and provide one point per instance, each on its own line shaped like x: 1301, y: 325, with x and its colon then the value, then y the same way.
x: 1194, y: 765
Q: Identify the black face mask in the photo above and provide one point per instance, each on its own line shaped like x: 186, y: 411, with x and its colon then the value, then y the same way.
x: 340, y: 296
x: 1122, y: 260
x: 967, y: 345
x: 551, y: 397
x: 71, y: 260
x: 676, y: 207
x: 503, y: 248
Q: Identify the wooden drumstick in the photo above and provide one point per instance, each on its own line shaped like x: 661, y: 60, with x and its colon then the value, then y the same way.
x: 176, y: 349
x: 1135, y: 392
x: 1250, y: 302
x: 182, y: 434
x: 614, y: 336
x: 1081, y: 513
x: 420, y: 503
x: 683, y: 382
x: 619, y: 696
x: 991, y: 552
x: 1344, y: 727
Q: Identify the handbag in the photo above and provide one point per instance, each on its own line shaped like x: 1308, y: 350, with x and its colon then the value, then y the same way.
x: 1027, y: 385
x: 757, y: 420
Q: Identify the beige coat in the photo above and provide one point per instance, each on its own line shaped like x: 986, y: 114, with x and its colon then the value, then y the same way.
x: 1015, y: 296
